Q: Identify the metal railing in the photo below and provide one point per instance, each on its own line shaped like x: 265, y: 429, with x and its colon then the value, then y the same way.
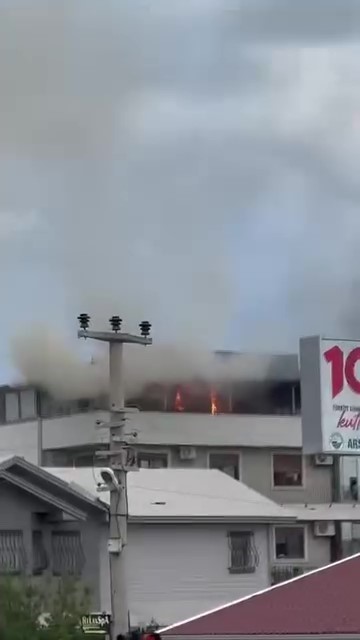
x: 12, y: 552
x: 67, y: 553
x: 287, y: 572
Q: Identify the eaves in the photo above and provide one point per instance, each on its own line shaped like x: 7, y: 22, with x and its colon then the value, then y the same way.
x: 43, y: 495
x: 209, y: 519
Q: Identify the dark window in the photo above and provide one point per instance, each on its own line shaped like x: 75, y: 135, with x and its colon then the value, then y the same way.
x: 226, y: 462
x: 12, y: 407
x: 40, y: 559
x: 244, y: 557
x: 12, y: 552
x: 152, y: 460
x: 353, y: 484
x: 67, y: 553
x: 284, y: 398
x: 27, y: 404
x: 51, y: 408
x: 287, y: 470
x: 289, y: 543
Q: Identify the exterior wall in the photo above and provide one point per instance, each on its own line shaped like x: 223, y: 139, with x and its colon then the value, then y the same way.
x: 318, y: 549
x: 176, y: 571
x: 16, y: 512
x: 255, y: 465
x: 170, y: 429
x: 257, y: 473
x: 19, y: 439
x: 317, y: 554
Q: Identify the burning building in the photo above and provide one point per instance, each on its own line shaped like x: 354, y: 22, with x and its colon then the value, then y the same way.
x: 276, y: 391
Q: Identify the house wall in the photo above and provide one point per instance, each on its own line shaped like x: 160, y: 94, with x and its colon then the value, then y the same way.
x: 257, y: 473
x: 176, y: 571
x: 255, y: 466
x: 16, y: 512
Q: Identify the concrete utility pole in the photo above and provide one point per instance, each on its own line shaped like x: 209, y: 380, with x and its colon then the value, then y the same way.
x: 118, y: 461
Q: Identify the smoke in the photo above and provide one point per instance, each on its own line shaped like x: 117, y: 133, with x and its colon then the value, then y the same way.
x: 191, y: 166
x: 47, y: 361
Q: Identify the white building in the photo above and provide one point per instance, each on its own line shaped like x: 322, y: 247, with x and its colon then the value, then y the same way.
x: 259, y: 443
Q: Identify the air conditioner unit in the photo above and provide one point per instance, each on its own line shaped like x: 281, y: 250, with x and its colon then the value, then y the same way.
x: 324, y: 528
x: 323, y: 460
x: 187, y: 453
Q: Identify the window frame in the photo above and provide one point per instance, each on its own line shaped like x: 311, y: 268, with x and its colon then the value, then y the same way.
x: 289, y: 487
x: 237, y: 569
x: 161, y: 453
x: 21, y: 550
x: 17, y: 393
x: 290, y: 560
x: 67, y: 533
x: 224, y: 452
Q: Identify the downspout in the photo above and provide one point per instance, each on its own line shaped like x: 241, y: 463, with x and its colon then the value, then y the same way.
x: 39, y: 435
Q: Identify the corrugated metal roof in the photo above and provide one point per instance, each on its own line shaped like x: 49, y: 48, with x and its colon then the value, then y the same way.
x: 182, y: 493
x: 322, y: 602
x: 179, y: 429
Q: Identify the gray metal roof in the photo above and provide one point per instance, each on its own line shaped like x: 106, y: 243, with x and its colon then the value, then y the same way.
x: 184, y: 493
x: 154, y: 494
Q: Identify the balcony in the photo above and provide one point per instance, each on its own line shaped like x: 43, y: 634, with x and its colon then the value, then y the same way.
x: 287, y: 572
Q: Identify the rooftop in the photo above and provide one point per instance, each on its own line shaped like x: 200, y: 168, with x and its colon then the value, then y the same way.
x: 202, y: 494
x: 323, y: 602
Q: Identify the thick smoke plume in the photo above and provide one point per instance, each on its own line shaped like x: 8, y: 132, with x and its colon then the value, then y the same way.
x: 47, y: 361
x: 186, y: 164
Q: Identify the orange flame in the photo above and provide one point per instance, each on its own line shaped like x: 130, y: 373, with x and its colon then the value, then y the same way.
x: 213, y: 399
x: 178, y: 402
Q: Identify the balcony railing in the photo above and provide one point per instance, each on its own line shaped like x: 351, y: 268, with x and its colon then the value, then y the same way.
x: 287, y: 572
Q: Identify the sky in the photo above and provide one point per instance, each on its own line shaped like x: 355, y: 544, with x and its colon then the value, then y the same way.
x: 195, y: 163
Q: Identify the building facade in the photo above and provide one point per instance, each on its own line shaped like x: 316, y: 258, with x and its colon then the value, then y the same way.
x: 254, y: 437
x: 196, y: 539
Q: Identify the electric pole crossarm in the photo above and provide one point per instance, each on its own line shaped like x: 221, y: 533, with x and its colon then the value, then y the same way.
x: 103, y: 336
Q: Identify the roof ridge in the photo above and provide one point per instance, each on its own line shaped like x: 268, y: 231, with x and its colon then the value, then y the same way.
x: 258, y: 593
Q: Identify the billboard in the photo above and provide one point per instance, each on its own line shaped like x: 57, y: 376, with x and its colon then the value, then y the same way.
x: 330, y: 395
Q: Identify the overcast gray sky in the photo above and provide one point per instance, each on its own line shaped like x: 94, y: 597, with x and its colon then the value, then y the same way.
x: 194, y: 162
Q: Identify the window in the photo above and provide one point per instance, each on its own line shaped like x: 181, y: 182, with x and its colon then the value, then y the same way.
x: 12, y: 408
x: 12, y: 552
x: 353, y: 488
x: 152, y: 460
x: 40, y: 559
x: 289, y: 543
x: 27, y: 404
x: 287, y: 470
x: 226, y: 462
x: 244, y: 557
x: 20, y: 405
x: 67, y: 553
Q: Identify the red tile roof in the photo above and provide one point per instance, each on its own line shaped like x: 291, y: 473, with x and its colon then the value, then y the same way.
x: 324, y: 601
